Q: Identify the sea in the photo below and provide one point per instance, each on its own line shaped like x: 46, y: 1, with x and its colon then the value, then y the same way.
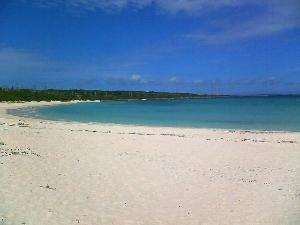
x: 268, y: 113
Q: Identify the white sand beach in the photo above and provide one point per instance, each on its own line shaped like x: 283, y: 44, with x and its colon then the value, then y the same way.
x: 64, y: 173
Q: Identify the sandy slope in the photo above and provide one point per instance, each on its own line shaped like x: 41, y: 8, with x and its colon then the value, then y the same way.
x: 54, y: 173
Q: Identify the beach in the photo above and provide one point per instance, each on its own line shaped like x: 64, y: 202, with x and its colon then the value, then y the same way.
x: 63, y: 173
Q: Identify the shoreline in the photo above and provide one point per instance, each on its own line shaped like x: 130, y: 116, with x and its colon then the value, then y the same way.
x: 19, y: 105
x: 64, y: 173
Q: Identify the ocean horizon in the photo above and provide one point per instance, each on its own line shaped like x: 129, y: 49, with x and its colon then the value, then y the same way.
x: 270, y: 113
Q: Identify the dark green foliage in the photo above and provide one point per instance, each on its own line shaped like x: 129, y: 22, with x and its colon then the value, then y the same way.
x: 11, y: 94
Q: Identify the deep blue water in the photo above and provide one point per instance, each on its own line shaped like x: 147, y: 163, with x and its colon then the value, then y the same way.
x: 258, y: 113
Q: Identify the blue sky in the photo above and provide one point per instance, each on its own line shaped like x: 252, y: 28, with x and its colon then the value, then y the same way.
x: 202, y: 46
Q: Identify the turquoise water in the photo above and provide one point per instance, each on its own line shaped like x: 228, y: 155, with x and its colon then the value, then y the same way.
x: 258, y: 113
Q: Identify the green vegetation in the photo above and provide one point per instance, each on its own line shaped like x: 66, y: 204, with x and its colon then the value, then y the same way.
x: 12, y: 94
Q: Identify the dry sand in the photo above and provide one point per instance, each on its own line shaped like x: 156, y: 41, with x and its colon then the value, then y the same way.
x: 61, y: 173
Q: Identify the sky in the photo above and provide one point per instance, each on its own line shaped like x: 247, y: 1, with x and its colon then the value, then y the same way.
x: 240, y: 47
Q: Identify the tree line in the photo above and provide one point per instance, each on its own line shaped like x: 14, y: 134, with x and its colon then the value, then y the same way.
x: 13, y: 94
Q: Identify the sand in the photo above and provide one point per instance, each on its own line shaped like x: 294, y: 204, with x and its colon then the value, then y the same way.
x: 64, y: 173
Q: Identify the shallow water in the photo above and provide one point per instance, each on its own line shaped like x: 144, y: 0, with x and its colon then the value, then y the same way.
x: 256, y: 113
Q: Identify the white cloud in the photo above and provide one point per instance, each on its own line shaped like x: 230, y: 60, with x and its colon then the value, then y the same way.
x: 175, y: 80
x: 276, y: 16
x: 279, y: 16
x: 22, y: 67
x: 136, y: 77
x: 198, y: 82
x: 169, y: 6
